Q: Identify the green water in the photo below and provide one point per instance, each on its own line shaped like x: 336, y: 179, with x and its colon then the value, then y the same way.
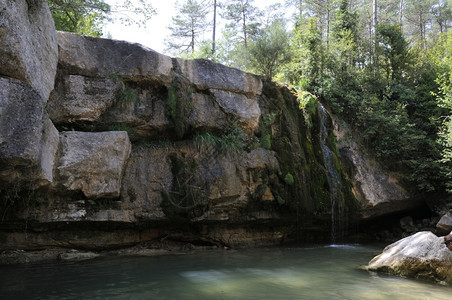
x: 319, y: 272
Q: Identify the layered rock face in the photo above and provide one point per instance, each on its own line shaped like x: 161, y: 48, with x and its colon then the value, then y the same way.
x: 422, y: 255
x: 379, y: 191
x: 129, y: 146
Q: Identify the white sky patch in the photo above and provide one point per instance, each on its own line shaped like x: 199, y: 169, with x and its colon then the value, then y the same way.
x: 156, y: 31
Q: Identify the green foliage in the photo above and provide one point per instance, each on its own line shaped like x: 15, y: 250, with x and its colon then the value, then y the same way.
x: 307, y: 102
x: 270, y: 49
x: 288, y: 179
x: 241, y: 20
x: 266, y: 142
x: 179, y: 105
x: 88, y: 17
x: 80, y: 16
x: 232, y: 141
x: 126, y: 97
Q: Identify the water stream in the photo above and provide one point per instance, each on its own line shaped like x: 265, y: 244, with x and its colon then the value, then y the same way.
x: 334, y: 180
x: 317, y: 272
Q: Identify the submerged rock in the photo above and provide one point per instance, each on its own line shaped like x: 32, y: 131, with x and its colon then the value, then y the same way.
x: 422, y: 255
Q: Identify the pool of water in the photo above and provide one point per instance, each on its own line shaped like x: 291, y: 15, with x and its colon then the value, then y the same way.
x: 318, y: 272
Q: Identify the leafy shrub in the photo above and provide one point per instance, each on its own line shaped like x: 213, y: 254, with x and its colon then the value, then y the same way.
x: 289, y: 179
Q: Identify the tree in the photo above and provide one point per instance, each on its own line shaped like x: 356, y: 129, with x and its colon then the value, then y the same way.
x: 88, y: 16
x: 241, y: 17
x: 214, y: 26
x: 187, y: 26
x: 79, y: 16
x: 269, y: 49
x: 298, y: 4
x: 418, y: 16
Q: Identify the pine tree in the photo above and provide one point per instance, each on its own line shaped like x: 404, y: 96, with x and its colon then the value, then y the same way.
x: 187, y: 26
x: 241, y: 17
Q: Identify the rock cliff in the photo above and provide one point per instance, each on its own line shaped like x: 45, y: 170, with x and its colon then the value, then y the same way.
x: 108, y: 144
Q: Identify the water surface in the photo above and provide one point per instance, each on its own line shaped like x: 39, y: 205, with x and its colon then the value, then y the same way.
x: 319, y: 272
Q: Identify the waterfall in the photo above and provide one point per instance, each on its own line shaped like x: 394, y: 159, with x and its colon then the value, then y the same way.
x: 334, y: 179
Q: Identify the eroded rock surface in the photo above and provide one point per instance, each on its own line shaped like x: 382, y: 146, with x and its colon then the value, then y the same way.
x: 381, y: 192
x: 445, y: 223
x: 28, y: 139
x: 96, y: 57
x: 28, y: 46
x: 93, y: 162
x: 422, y: 255
x: 82, y: 98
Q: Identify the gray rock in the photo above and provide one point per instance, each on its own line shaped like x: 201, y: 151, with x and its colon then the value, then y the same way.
x: 28, y: 45
x: 147, y: 175
x: 422, y: 255
x: 76, y: 255
x: 243, y: 110
x: 97, y: 57
x: 205, y: 74
x: 145, y: 118
x: 445, y: 223
x: 259, y: 159
x: 379, y: 191
x: 93, y: 162
x: 28, y: 139
x: 206, y: 114
x: 79, y: 98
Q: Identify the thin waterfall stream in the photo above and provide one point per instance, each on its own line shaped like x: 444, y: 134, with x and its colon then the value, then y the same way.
x: 334, y: 179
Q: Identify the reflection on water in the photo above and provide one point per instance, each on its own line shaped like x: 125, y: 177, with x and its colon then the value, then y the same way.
x: 328, y: 272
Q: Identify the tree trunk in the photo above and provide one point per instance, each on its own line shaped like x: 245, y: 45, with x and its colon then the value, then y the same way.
x: 192, y: 37
x: 374, y: 24
x: 301, y: 9
x: 244, y: 26
x: 400, y: 12
x: 214, y: 25
x: 328, y: 12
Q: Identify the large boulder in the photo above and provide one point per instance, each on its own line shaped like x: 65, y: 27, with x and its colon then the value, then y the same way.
x: 97, y: 57
x: 242, y: 109
x: 379, y: 191
x: 93, y: 162
x: 422, y: 255
x: 206, y: 113
x: 28, y: 139
x: 28, y: 44
x: 445, y: 223
x: 79, y: 98
x: 205, y: 74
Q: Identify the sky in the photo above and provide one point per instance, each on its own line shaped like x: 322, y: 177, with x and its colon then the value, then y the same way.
x: 157, y: 28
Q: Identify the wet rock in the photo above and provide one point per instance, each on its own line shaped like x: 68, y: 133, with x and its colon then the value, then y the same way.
x: 28, y: 139
x: 79, y: 98
x: 445, y: 223
x: 28, y: 45
x: 75, y: 255
x: 97, y: 57
x: 422, y: 255
x: 93, y: 162
x: 380, y: 192
x: 407, y: 224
